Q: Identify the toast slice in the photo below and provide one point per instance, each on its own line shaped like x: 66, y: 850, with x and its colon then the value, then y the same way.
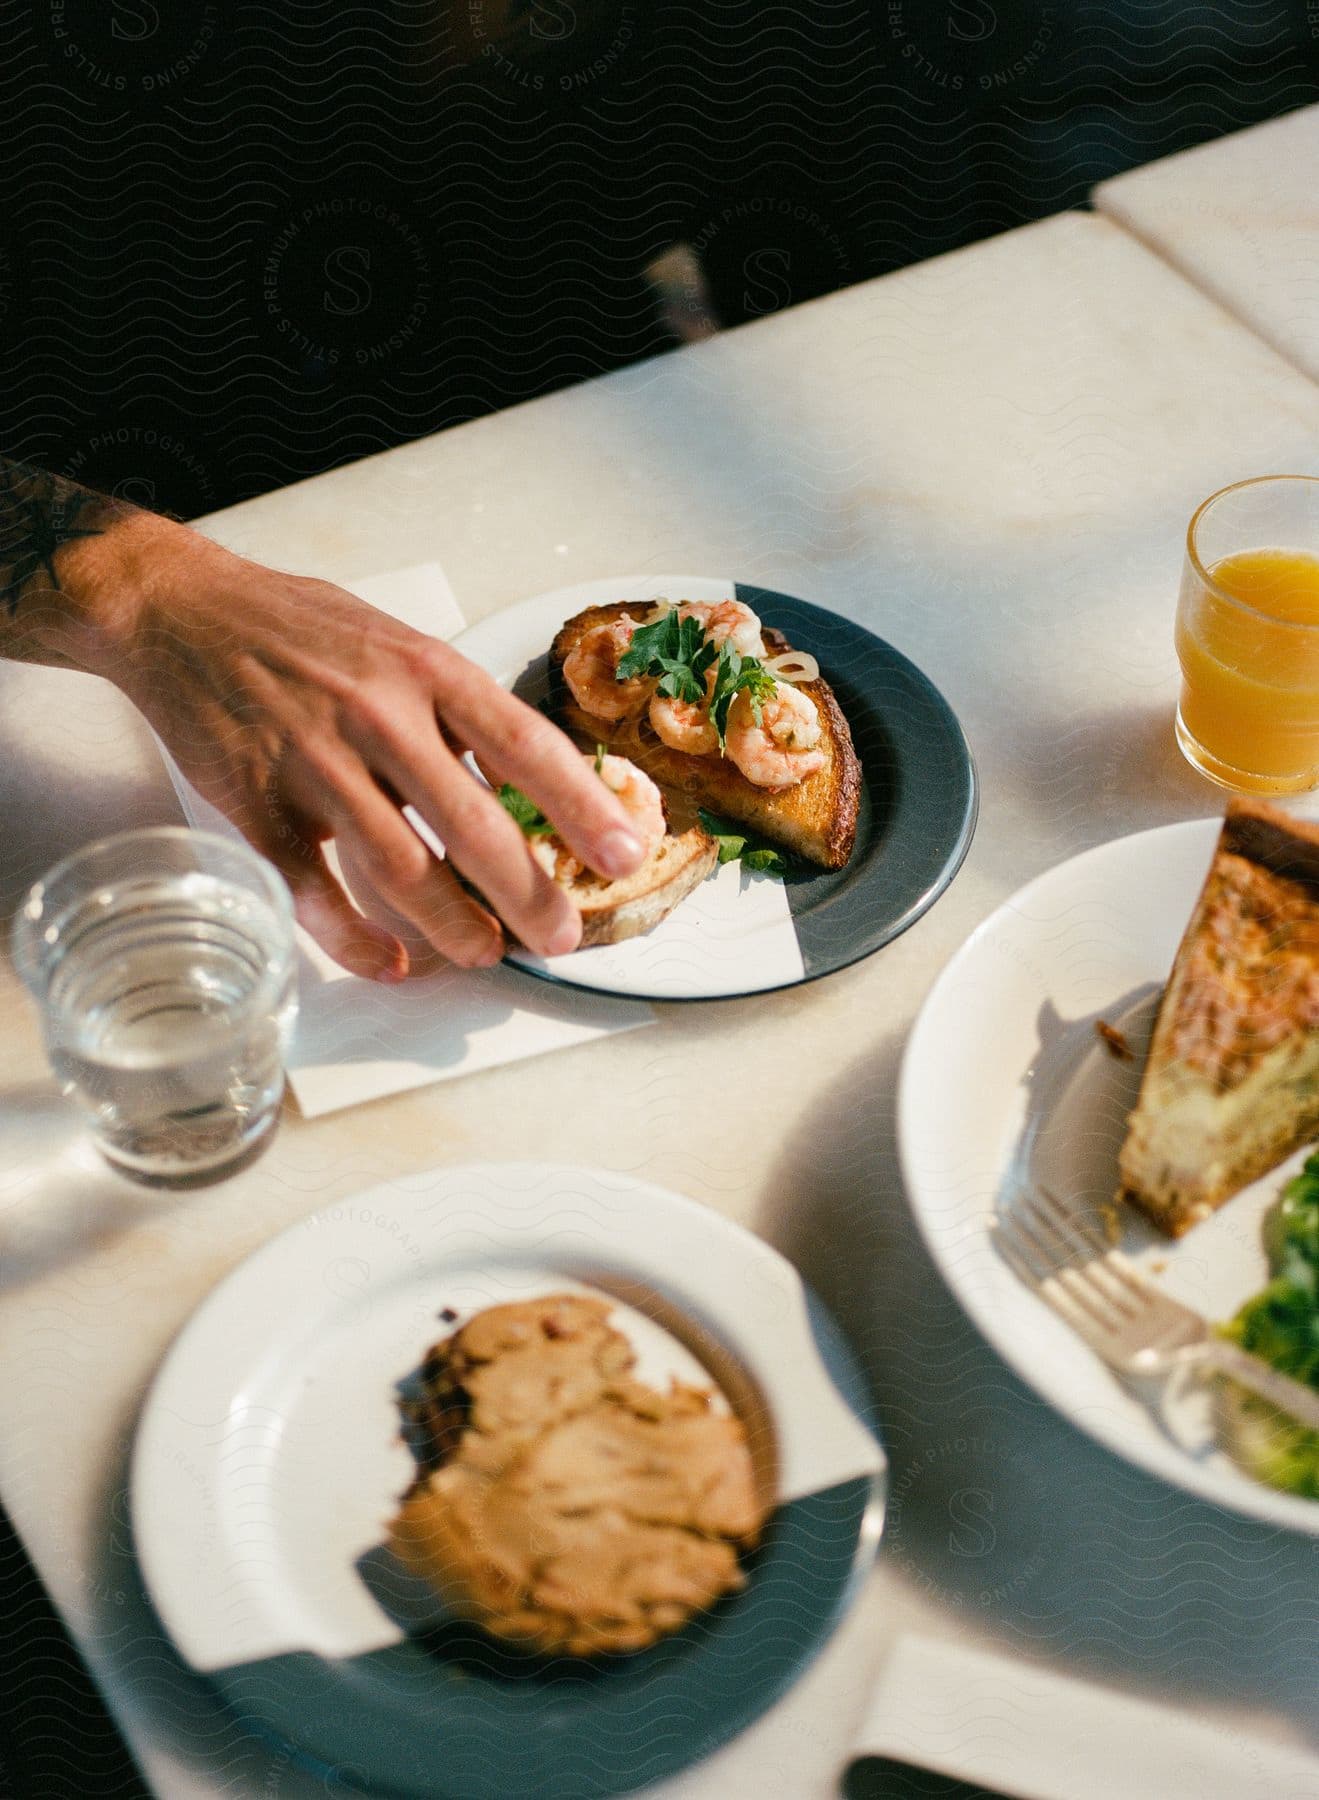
x: 1231, y: 1086
x: 614, y: 910
x: 817, y: 819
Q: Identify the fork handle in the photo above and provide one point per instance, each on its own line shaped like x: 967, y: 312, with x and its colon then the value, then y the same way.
x: 1289, y: 1396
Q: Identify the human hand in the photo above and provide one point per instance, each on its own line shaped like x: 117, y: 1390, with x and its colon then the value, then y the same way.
x: 304, y: 714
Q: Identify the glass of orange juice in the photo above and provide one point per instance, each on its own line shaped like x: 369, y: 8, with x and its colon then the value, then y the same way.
x: 1248, y: 636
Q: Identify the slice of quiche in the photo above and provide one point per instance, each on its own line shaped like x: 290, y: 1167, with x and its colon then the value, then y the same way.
x: 1231, y: 1087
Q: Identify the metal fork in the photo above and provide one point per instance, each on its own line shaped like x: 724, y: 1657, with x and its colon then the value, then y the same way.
x: 1121, y: 1314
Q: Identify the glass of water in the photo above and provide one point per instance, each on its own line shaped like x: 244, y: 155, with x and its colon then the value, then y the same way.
x: 163, y: 963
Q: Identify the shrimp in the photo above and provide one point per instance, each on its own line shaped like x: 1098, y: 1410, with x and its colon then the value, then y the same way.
x: 640, y: 800
x: 591, y: 671
x: 784, y: 748
x: 726, y: 621
x: 682, y: 725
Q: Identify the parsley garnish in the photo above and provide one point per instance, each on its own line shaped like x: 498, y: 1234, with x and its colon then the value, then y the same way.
x: 677, y: 650
x: 736, y: 846
x: 734, y: 675
x: 680, y: 653
x: 524, y: 812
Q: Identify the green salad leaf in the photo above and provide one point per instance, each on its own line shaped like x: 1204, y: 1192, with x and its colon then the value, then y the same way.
x: 1269, y: 1444
x: 736, y: 846
x: 1280, y: 1325
x: 524, y: 812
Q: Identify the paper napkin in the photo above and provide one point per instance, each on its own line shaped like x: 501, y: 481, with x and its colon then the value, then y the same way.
x: 357, y: 1040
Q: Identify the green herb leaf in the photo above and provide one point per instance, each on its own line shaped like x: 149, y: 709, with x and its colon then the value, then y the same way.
x: 648, y: 641
x: 736, y: 846
x: 524, y: 812
x: 680, y: 655
x: 599, y: 758
x: 675, y: 650
x: 736, y: 674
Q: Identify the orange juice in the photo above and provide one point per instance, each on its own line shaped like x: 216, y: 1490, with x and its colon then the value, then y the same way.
x: 1248, y: 644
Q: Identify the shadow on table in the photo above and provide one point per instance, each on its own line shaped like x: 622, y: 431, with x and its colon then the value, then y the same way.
x: 448, y: 1711
x: 60, y: 785
x: 59, y: 1201
x: 999, y: 1509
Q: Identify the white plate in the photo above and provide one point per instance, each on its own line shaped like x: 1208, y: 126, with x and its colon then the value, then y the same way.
x: 1004, y: 1078
x: 269, y: 1457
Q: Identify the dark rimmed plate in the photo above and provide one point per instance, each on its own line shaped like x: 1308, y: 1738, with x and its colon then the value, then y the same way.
x: 268, y: 1460
x: 918, y: 803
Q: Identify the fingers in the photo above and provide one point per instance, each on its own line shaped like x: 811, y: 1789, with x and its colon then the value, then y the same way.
x: 423, y: 894
x: 327, y: 914
x: 506, y: 734
x: 397, y: 868
x: 424, y: 957
x: 482, y: 841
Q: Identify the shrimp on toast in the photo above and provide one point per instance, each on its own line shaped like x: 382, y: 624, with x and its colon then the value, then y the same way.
x: 675, y: 864
x: 775, y: 742
x: 591, y: 671
x: 816, y: 818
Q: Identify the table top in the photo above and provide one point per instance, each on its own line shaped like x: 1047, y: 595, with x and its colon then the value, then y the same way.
x: 989, y: 459
x: 1240, y: 218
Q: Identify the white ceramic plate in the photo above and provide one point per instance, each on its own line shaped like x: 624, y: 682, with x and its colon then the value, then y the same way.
x: 269, y: 1458
x: 1004, y: 1079
x: 744, y: 933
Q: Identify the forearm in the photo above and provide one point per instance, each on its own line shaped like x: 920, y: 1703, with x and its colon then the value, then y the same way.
x: 72, y: 566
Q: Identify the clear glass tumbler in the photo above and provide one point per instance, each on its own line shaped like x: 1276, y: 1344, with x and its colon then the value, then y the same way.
x: 1248, y: 636
x: 163, y: 964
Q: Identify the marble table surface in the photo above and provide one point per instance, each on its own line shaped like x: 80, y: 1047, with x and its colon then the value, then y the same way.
x: 989, y: 459
x: 1240, y: 218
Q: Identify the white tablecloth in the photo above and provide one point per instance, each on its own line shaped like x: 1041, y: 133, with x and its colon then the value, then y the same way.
x: 989, y: 459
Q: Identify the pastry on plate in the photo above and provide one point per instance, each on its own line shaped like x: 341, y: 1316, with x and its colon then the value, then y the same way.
x: 718, y: 708
x: 676, y: 862
x: 564, y: 1505
x: 1231, y: 1086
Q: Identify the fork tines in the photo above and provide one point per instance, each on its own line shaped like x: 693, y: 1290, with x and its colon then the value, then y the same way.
x: 1050, y: 1245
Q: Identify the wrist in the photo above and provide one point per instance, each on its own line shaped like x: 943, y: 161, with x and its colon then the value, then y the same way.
x: 108, y: 582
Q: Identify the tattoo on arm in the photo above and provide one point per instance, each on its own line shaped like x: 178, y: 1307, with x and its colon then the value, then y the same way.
x: 39, y: 514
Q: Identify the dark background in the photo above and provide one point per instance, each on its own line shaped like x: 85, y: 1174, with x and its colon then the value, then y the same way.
x: 245, y: 240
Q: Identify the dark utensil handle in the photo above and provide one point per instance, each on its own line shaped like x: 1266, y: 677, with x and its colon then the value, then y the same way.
x: 881, y: 1778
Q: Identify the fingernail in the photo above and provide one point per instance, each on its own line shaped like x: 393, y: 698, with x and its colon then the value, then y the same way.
x: 620, y: 853
x: 565, y: 939
x: 486, y: 953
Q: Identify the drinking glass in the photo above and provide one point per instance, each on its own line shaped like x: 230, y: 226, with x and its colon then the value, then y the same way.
x: 1248, y: 636
x: 163, y: 965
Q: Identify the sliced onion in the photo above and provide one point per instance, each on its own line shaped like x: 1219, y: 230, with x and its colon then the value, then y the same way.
x: 794, y: 666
